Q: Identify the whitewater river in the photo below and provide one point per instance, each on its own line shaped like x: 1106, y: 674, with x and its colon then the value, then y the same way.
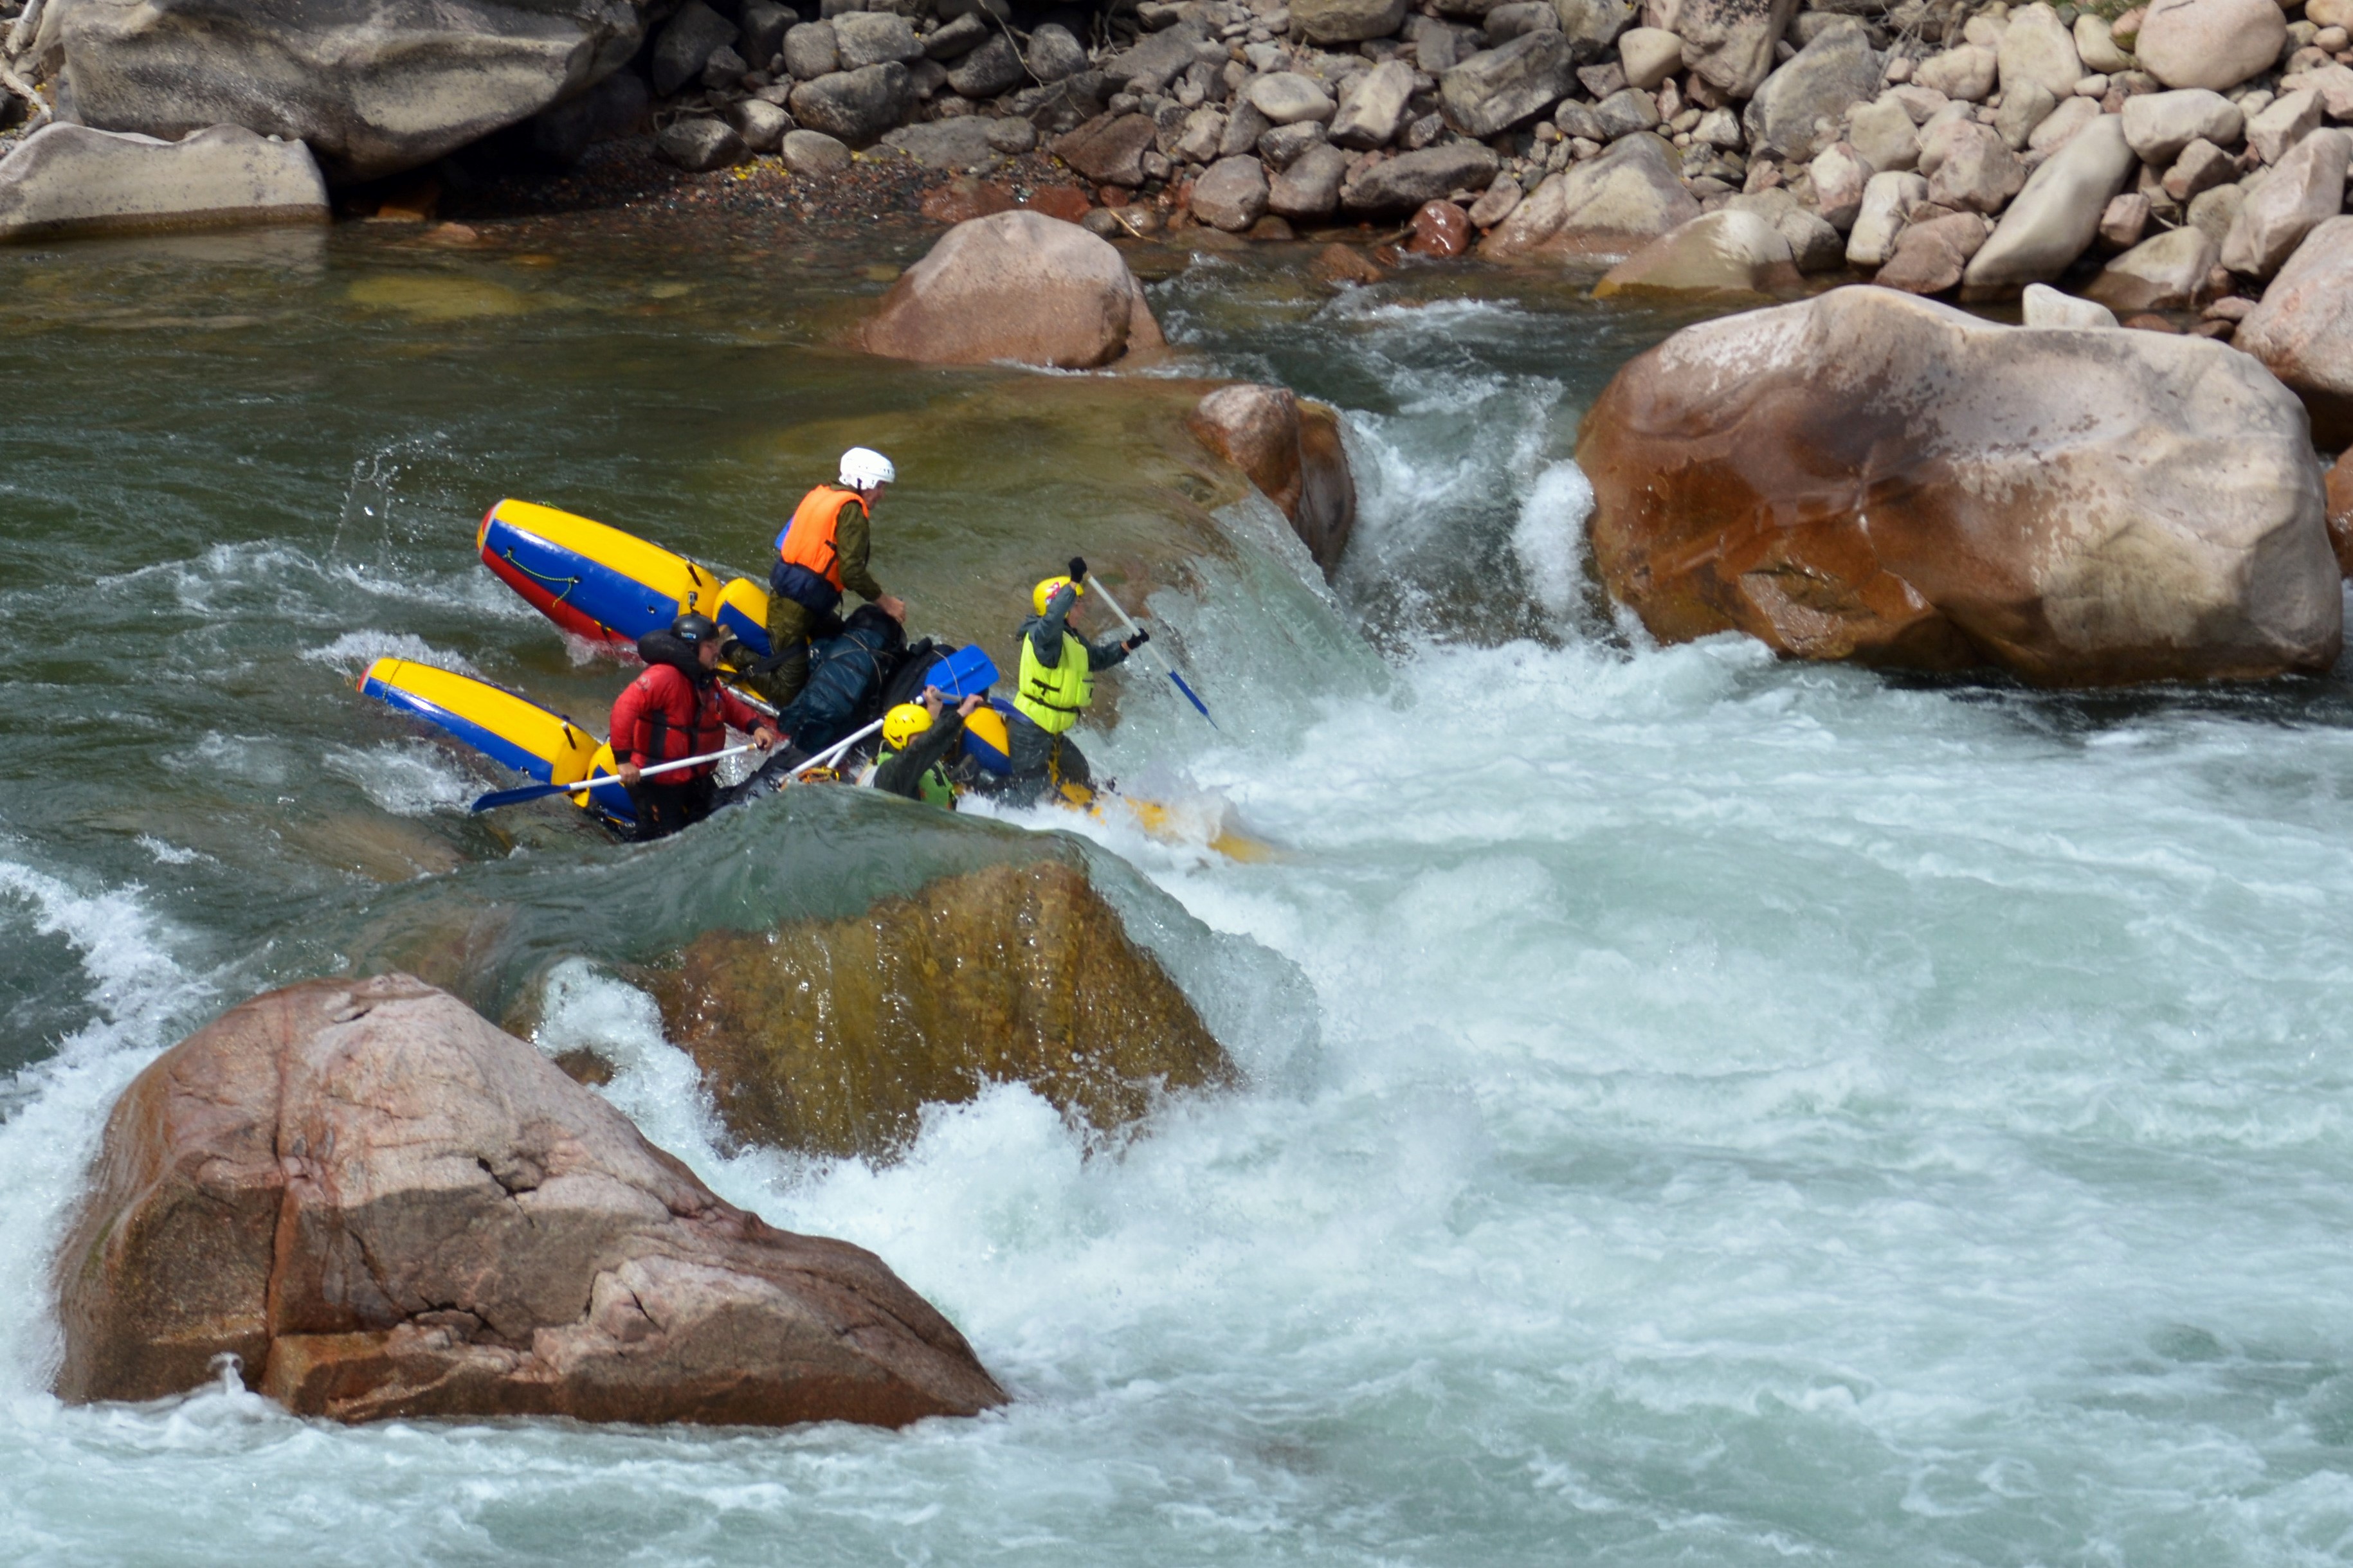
x: 1701, y: 1110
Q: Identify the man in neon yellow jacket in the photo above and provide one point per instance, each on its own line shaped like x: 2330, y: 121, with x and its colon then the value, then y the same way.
x: 1057, y: 685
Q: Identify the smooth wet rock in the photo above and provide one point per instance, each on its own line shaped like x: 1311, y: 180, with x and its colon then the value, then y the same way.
x: 1231, y: 193
x: 1291, y: 450
x: 856, y: 107
x: 1874, y: 478
x: 2214, y: 44
x: 1439, y: 229
x: 385, y: 1207
x: 1347, y: 21
x: 1729, y: 43
x: 66, y: 180
x: 1372, y: 107
x: 700, y: 144
x: 2057, y: 215
x: 813, y: 154
x: 1610, y: 206
x: 1310, y: 187
x: 373, y: 86
x: 1726, y: 252
x: 1401, y: 183
x: 1496, y: 89
x: 2303, y: 329
x: 1109, y: 149
x: 2303, y: 189
x: 1837, y: 69
x: 829, y: 1036
x: 1014, y: 286
x: 2158, y: 125
x: 2163, y: 273
x: 2043, y: 306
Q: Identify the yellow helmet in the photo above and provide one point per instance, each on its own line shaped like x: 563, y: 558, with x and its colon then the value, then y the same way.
x: 1049, y: 588
x: 903, y: 723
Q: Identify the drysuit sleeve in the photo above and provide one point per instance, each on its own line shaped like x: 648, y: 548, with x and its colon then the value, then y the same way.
x: 1104, y: 655
x: 627, y: 708
x: 904, y: 773
x: 739, y: 713
x: 853, y: 538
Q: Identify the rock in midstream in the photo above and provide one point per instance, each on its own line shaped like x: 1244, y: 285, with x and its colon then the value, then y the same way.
x: 1016, y: 286
x: 830, y: 1036
x: 1873, y: 477
x: 1293, y: 452
x: 384, y: 1207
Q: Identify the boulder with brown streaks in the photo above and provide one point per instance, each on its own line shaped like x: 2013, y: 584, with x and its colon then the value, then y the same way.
x: 384, y: 1206
x: 1879, y: 477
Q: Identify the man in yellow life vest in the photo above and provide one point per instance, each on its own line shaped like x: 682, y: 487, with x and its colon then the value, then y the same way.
x: 1057, y: 684
x: 819, y: 553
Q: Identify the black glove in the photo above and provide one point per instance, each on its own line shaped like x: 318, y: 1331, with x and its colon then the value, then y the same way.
x: 1137, y: 641
x: 1078, y: 568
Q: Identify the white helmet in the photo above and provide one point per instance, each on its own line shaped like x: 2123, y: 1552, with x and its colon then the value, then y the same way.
x: 863, y: 467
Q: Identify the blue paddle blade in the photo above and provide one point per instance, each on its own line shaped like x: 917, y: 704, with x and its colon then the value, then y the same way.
x: 1196, y: 701
x: 498, y: 798
x: 963, y: 673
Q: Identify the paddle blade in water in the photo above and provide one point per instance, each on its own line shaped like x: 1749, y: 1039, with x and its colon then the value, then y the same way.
x: 1196, y: 701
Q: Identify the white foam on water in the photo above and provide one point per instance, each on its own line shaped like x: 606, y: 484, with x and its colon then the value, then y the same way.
x: 1549, y: 537
x: 408, y: 778
x: 354, y: 651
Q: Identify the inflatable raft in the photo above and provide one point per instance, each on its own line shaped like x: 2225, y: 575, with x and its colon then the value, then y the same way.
x: 506, y: 727
x: 598, y: 583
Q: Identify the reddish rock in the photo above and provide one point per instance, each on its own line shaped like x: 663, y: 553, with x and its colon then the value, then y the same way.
x: 1338, y: 263
x: 2339, y: 488
x: 1440, y: 228
x: 1016, y: 286
x: 386, y: 1208
x: 964, y: 198
x: 1930, y: 258
x: 2149, y: 322
x: 1873, y: 477
x: 1109, y: 149
x: 1293, y: 452
x: 2303, y: 329
x: 1065, y: 202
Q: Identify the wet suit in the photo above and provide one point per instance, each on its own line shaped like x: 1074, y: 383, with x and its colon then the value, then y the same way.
x: 676, y: 709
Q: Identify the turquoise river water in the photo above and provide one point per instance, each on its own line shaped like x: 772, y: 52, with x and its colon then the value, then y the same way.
x: 1699, y: 1109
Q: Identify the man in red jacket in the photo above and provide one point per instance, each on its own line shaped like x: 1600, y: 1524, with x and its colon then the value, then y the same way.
x: 678, y: 709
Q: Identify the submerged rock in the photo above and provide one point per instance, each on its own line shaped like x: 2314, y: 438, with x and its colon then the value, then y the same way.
x: 374, y: 87
x: 1016, y: 286
x: 1293, y: 452
x: 830, y: 1036
x: 69, y: 179
x: 384, y: 1207
x: 1873, y: 477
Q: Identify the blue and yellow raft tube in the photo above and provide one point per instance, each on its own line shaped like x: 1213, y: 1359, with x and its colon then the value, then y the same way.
x: 507, y: 727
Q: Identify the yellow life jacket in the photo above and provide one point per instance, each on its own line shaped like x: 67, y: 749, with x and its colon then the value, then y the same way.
x: 1053, y: 698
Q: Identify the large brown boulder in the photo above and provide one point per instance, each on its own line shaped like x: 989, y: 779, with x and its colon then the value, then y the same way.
x: 1016, y: 286
x: 2338, y: 487
x: 384, y: 1207
x: 1293, y: 452
x: 2304, y: 329
x: 830, y: 1036
x: 1876, y: 477
x: 374, y: 86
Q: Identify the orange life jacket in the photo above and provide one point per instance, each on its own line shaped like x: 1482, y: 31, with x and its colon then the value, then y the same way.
x: 807, y: 541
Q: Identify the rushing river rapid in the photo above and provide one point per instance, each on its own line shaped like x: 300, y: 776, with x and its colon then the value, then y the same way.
x: 1699, y: 1109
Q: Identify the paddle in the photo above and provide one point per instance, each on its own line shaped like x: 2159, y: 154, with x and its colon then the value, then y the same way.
x: 541, y: 792
x: 1092, y: 582
x: 832, y: 753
